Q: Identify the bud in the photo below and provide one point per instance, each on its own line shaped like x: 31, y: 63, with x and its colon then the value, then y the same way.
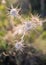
x: 14, y: 12
x: 19, y: 46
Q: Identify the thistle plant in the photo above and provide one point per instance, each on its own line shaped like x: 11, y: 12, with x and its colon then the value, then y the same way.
x: 22, y: 29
